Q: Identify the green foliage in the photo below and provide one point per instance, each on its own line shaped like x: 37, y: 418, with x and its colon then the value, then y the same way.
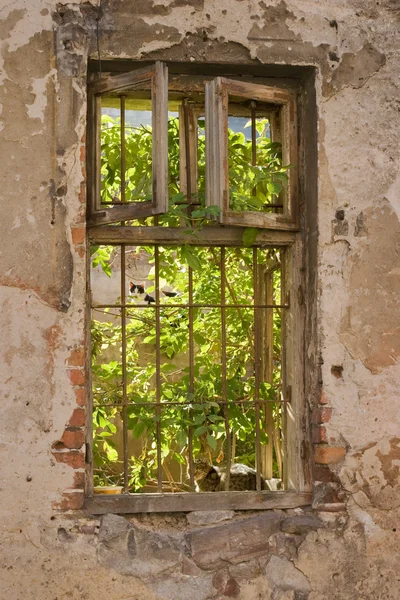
x: 197, y: 411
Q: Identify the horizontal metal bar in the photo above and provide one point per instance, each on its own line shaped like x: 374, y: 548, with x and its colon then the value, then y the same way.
x: 193, y: 403
x: 187, y: 502
x: 154, y: 305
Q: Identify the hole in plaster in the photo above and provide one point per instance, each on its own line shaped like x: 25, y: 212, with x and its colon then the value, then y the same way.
x: 337, y: 371
x: 339, y: 215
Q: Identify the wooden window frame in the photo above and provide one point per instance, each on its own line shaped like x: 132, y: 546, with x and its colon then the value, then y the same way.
x: 217, y: 183
x: 275, y: 230
x: 157, y: 76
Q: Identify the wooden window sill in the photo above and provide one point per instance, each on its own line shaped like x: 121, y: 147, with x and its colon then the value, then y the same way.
x: 187, y: 502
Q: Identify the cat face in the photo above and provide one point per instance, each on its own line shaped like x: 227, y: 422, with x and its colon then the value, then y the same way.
x: 201, y: 468
x: 136, y: 288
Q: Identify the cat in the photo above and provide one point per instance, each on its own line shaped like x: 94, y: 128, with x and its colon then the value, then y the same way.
x: 138, y: 289
x: 136, y: 286
x: 212, y: 479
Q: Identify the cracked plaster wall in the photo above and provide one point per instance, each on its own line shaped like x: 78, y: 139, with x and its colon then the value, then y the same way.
x: 353, y: 340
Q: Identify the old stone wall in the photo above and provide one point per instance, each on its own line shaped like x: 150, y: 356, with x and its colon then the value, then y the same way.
x: 346, y: 545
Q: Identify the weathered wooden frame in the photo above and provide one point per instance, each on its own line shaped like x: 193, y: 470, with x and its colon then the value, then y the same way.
x: 157, y: 75
x: 217, y: 176
x: 297, y: 492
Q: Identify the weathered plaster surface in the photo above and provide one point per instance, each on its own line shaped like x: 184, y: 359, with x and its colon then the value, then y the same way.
x: 353, y: 350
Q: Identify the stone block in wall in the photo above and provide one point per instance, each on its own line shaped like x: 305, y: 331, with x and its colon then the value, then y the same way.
x: 232, y: 542
x: 300, y: 524
x: 283, y: 575
x: 183, y: 588
x: 139, y: 552
x: 209, y: 517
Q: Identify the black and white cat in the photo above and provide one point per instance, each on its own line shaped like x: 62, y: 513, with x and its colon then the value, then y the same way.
x: 138, y: 291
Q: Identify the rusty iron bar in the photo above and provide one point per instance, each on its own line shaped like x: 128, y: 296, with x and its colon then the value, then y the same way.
x: 187, y: 152
x: 191, y: 378
x: 257, y: 365
x: 280, y: 400
x: 158, y: 366
x: 253, y: 140
x: 223, y: 367
x: 253, y: 135
x: 124, y: 374
x: 123, y: 149
x: 283, y: 332
x: 123, y: 309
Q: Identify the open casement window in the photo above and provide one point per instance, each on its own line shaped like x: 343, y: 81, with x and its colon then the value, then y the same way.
x: 264, y: 195
x: 122, y: 186
x: 196, y: 333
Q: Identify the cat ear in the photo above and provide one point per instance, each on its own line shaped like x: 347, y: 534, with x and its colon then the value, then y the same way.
x: 131, y: 286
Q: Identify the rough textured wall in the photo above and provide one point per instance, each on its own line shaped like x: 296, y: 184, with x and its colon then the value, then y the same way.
x: 350, y: 550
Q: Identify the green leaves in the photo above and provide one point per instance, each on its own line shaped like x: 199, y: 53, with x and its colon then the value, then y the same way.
x: 101, y: 256
x: 249, y: 236
x: 186, y: 405
x: 189, y: 256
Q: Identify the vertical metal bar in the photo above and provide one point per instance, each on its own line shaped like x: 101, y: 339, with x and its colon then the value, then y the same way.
x: 223, y: 366
x: 191, y: 377
x: 284, y: 373
x: 187, y: 152
x: 257, y: 357
x: 124, y: 375
x: 268, y: 368
x: 253, y: 133
x: 123, y: 155
x: 123, y: 310
x: 158, y: 365
x: 253, y: 140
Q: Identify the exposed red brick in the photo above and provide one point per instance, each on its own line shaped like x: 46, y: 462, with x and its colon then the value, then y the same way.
x: 78, y: 418
x: 83, y: 153
x: 323, y: 399
x: 326, y: 455
x: 321, y: 415
x: 80, y: 250
x: 73, y: 458
x: 80, y: 396
x: 78, y: 235
x: 82, y: 194
x: 76, y: 376
x: 76, y: 358
x: 323, y: 473
x: 319, y: 434
x: 73, y: 439
x: 71, y: 501
x: 79, y: 479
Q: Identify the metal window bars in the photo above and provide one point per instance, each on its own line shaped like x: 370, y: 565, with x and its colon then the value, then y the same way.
x: 263, y: 365
x: 267, y: 367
